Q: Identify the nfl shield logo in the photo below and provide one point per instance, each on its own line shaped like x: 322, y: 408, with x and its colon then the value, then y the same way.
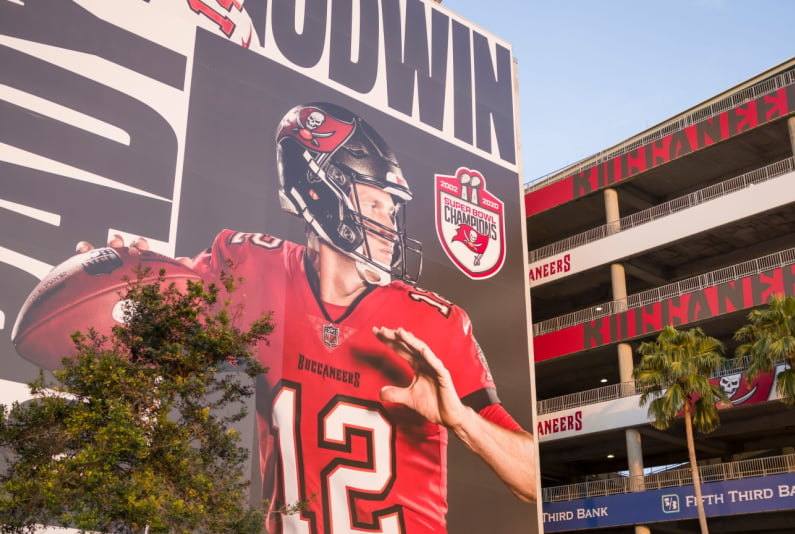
x: 331, y: 335
x: 470, y: 223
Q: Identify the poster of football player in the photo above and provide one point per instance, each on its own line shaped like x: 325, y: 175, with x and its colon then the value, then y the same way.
x: 357, y: 162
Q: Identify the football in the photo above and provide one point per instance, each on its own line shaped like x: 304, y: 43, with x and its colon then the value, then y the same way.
x: 84, y: 292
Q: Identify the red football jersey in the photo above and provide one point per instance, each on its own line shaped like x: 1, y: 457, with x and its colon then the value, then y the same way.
x: 325, y: 437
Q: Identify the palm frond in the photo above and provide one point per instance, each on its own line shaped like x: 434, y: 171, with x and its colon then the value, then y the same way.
x: 674, y: 371
x: 767, y: 339
x: 785, y: 386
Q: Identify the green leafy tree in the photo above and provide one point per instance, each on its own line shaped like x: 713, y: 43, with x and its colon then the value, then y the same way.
x: 136, y: 431
x: 673, y: 376
x: 767, y: 340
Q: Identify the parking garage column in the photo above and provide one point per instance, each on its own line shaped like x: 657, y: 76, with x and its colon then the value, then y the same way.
x: 611, y: 211
x: 791, y: 128
x: 625, y: 365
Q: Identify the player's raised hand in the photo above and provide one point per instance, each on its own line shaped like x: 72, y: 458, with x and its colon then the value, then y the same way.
x: 510, y: 453
x: 431, y: 393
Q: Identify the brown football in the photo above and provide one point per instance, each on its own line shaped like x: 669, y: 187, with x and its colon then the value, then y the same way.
x: 81, y: 293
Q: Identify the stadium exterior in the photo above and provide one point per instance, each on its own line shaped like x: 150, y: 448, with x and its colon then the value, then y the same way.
x: 690, y: 223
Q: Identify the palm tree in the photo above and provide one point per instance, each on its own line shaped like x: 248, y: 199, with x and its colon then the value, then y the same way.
x: 769, y: 339
x: 673, y: 376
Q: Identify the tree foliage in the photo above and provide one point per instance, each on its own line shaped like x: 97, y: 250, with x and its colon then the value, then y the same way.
x: 768, y: 339
x: 673, y: 376
x: 137, y: 427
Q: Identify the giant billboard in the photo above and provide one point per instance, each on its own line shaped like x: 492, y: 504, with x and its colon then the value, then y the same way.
x: 358, y: 161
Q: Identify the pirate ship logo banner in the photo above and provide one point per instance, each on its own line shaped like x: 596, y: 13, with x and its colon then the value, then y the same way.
x: 470, y: 223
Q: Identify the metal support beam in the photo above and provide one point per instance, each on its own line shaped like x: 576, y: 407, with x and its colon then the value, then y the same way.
x: 634, y: 197
x: 667, y: 438
x: 645, y: 273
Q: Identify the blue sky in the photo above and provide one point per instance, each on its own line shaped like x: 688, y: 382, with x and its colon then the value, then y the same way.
x: 595, y: 72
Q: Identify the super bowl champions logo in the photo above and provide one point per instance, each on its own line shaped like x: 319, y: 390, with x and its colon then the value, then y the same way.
x: 470, y: 223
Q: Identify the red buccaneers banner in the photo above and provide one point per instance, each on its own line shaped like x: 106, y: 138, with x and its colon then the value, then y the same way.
x: 752, y: 114
x: 724, y: 298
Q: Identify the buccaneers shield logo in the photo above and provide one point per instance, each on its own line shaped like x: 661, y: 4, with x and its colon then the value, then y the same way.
x: 470, y: 223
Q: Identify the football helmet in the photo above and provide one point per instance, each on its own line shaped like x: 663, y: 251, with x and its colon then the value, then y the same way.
x: 324, y: 152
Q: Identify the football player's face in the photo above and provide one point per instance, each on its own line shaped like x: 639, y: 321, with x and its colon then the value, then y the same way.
x: 379, y: 207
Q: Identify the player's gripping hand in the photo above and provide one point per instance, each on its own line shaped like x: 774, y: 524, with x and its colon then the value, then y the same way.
x: 431, y: 393
x: 117, y: 241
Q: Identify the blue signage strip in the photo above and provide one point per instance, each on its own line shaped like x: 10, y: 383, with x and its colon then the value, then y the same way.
x: 728, y: 497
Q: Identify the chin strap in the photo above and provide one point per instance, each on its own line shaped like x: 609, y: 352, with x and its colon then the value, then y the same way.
x: 372, y: 275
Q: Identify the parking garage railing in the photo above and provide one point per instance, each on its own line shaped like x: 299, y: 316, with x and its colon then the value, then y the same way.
x: 617, y: 484
x: 687, y: 201
x: 659, y: 294
x: 716, y: 108
x: 584, y: 398
x: 616, y: 391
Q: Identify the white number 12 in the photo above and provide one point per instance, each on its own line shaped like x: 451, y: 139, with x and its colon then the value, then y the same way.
x: 342, y: 480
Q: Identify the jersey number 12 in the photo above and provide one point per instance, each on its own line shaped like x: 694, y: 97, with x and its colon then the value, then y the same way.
x: 342, y: 480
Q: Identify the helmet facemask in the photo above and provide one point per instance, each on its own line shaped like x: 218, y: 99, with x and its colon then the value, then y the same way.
x: 384, y: 248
